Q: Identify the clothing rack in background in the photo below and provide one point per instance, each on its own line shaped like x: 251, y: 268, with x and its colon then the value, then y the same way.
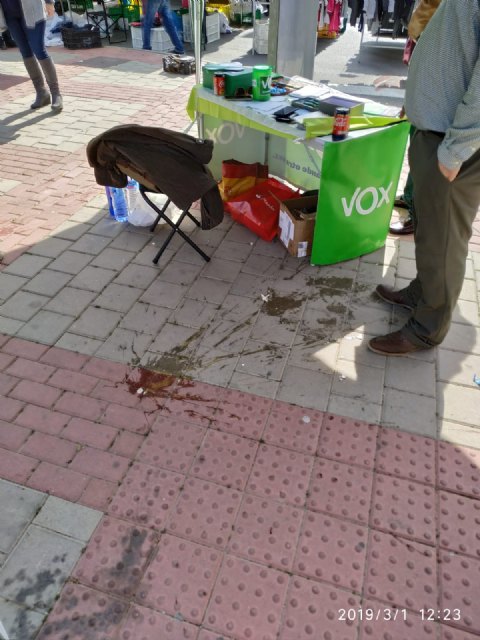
x: 382, y: 23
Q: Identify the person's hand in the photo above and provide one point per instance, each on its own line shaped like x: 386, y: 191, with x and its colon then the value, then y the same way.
x: 449, y: 174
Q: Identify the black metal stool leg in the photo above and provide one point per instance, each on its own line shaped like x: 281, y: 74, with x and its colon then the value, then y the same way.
x: 175, y: 226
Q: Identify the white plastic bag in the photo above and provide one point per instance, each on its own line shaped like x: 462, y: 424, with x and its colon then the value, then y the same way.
x: 140, y: 214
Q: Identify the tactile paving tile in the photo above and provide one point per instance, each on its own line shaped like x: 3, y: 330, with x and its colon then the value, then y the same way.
x: 82, y: 613
x: 332, y: 550
x: 348, y: 440
x: 172, y: 444
x: 145, y: 624
x: 449, y: 633
x: 293, y: 427
x: 460, y: 589
x: 115, y: 557
x: 281, y: 474
x: 459, y: 469
x: 406, y: 456
x: 225, y: 458
x: 193, y: 412
x: 459, y: 522
x: 146, y: 495
x: 313, y: 612
x: 212, y: 635
x: 205, y: 512
x: 180, y: 578
x: 267, y: 532
x: 242, y: 413
x: 404, y: 508
x: 198, y: 392
x: 387, y: 623
x: 340, y: 490
x: 247, y: 601
x: 401, y: 572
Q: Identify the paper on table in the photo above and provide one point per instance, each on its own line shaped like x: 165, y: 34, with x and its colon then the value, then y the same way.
x: 268, y: 107
x: 312, y: 90
x: 377, y: 109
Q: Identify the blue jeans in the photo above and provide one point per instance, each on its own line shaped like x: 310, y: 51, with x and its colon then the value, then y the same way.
x: 31, y: 42
x: 163, y: 8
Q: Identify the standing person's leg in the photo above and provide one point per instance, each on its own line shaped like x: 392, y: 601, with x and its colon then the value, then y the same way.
x: 36, y: 38
x: 148, y: 18
x: 169, y: 25
x: 19, y: 34
x: 445, y: 215
x: 445, y: 212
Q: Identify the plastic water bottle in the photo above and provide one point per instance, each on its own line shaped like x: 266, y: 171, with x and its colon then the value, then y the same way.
x: 133, y: 195
x: 120, y: 207
x: 108, y: 191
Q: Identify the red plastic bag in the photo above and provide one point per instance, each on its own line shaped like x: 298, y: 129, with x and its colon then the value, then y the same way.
x: 258, y: 208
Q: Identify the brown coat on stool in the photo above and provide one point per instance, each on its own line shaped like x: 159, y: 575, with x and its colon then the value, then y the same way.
x: 161, y: 160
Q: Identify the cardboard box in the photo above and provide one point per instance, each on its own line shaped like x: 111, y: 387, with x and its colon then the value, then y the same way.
x: 295, y: 228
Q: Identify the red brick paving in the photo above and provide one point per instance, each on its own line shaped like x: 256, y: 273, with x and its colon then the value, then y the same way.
x: 212, y: 530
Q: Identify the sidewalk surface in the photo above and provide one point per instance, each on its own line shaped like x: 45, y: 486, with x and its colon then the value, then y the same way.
x: 181, y: 458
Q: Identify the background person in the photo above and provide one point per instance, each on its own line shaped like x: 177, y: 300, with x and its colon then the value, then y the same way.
x: 442, y: 101
x: 6, y: 40
x: 26, y: 20
x: 163, y: 8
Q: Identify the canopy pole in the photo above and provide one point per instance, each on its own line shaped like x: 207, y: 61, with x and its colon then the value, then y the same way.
x: 197, y: 9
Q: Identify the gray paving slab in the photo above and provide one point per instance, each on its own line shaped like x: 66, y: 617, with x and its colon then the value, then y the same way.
x: 420, y: 417
x: 37, y: 568
x: 27, y: 265
x: 125, y: 346
x: 135, y: 275
x: 50, y: 247
x: 45, y: 327
x: 305, y: 387
x: 18, y: 505
x: 70, y: 301
x: 96, y: 323
x: 67, y: 518
x: 23, y: 305
x: 48, y: 282
x: 93, y: 278
x: 20, y: 623
x: 90, y: 243
x: 9, y: 284
x: 80, y: 344
x: 355, y: 408
x: 145, y: 318
x: 71, y: 262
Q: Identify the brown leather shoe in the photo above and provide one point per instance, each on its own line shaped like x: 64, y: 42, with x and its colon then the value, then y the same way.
x: 393, y: 344
x: 393, y: 297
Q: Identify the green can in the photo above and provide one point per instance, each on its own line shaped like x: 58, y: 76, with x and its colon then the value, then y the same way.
x: 261, y: 82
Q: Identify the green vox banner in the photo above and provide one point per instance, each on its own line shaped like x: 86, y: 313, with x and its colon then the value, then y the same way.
x: 357, y: 190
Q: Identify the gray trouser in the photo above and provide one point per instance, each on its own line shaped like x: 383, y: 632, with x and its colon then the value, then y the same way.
x: 445, y: 213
